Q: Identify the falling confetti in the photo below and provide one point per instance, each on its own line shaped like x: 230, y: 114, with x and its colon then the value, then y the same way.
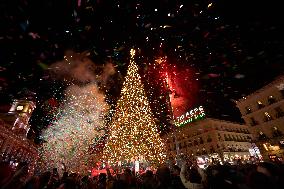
x: 77, y: 128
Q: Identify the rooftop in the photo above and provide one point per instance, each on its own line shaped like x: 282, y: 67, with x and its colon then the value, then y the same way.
x: 276, y: 81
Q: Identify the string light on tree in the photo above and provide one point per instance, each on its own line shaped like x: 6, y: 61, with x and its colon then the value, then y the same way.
x: 133, y: 131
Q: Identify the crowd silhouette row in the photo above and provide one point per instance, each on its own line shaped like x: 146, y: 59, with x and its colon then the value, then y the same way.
x: 261, y: 175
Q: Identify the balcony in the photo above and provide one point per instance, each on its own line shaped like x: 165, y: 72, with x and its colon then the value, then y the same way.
x: 256, y: 112
x: 246, y: 132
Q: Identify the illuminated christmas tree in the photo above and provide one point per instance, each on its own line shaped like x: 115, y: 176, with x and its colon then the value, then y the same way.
x: 133, y: 131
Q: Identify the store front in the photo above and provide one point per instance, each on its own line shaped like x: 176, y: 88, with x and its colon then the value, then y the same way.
x: 274, y: 151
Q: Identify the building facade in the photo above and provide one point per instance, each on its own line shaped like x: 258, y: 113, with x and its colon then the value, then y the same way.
x: 14, y: 145
x: 263, y: 111
x: 211, y: 138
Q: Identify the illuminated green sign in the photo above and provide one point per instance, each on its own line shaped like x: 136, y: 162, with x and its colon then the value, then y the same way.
x: 190, y: 116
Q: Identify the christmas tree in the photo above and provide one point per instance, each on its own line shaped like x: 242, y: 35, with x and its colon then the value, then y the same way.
x: 133, y: 131
x: 75, y: 131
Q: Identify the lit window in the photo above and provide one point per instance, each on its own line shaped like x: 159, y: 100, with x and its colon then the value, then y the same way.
x: 260, y: 105
x: 248, y: 110
x: 267, y: 116
x: 20, y: 108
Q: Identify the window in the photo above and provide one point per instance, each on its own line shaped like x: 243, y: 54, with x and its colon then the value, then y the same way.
x: 230, y: 138
x: 238, y: 138
x: 212, y: 149
x: 276, y: 132
x: 249, y: 138
x: 248, y: 110
x: 282, y: 92
x: 189, y: 143
x: 271, y: 99
x: 230, y: 148
x: 209, y: 139
x: 20, y: 107
x: 201, y: 140
x: 262, y: 136
x: 204, y: 151
x: 253, y: 122
x: 226, y: 137
x: 197, y: 152
x: 219, y: 137
x: 267, y: 117
x: 279, y: 112
x: 260, y: 105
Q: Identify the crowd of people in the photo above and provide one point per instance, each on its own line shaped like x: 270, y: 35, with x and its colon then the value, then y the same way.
x: 262, y: 175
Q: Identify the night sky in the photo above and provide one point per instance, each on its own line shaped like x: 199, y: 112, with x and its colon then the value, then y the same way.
x: 230, y: 48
